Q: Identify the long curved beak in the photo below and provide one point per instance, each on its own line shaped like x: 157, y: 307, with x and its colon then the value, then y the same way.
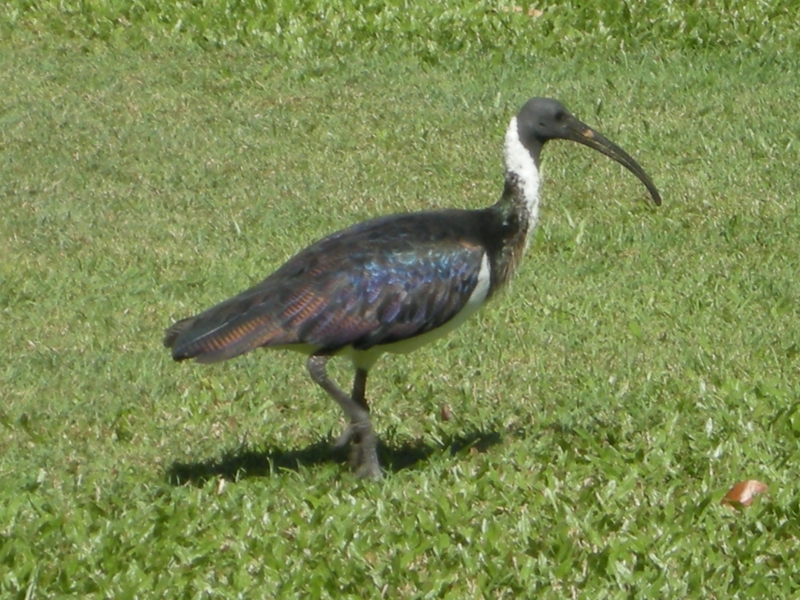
x: 583, y: 134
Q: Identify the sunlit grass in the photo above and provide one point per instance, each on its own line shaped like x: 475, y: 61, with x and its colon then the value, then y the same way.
x: 316, y: 30
x: 643, y: 361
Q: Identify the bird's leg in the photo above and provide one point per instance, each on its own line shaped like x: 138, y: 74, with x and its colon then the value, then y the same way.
x: 364, y: 457
x: 359, y: 389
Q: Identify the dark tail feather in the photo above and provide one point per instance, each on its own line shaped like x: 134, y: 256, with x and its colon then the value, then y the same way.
x: 172, y: 333
x: 222, y: 332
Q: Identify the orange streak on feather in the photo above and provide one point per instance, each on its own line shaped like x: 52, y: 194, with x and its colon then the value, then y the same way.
x: 245, y: 329
x: 311, y: 307
x: 299, y: 298
x: 219, y: 341
x: 239, y: 332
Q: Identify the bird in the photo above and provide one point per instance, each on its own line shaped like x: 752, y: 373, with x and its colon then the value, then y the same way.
x: 393, y: 283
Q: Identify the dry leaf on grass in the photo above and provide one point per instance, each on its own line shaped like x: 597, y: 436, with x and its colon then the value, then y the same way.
x: 531, y: 12
x: 742, y: 493
x: 446, y: 414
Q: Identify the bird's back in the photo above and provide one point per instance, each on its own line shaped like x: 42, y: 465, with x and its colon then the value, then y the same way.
x: 376, y: 283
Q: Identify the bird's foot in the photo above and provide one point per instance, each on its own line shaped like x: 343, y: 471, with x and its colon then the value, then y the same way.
x: 364, y: 460
x: 363, y: 451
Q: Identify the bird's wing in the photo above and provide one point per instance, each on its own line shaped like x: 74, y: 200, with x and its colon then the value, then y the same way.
x: 376, y: 283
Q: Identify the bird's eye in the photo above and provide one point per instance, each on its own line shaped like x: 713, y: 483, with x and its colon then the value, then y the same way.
x: 561, y: 115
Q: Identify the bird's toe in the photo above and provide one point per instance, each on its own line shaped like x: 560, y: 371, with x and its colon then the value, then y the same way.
x: 364, y: 451
x: 370, y: 470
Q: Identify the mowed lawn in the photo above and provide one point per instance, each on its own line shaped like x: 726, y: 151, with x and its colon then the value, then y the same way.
x: 644, y: 360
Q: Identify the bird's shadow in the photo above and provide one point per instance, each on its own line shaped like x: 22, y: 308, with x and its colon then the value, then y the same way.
x: 243, y: 463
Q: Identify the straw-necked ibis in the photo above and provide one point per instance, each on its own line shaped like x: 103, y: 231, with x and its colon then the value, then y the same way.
x: 393, y: 283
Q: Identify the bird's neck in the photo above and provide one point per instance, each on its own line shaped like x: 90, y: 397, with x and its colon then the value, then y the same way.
x: 518, y: 207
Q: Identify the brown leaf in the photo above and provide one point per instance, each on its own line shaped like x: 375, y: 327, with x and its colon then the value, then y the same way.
x: 446, y: 414
x: 742, y: 493
x: 531, y: 12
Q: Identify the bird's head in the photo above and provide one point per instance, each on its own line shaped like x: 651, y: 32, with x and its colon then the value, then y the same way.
x: 543, y: 119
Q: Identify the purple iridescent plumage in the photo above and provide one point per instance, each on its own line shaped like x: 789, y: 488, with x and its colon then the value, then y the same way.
x: 378, y: 282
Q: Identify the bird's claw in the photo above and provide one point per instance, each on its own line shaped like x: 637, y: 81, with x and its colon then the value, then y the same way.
x: 364, y: 459
x: 364, y: 450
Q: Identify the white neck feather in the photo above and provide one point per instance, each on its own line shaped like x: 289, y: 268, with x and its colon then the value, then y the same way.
x: 520, y: 163
x: 521, y: 166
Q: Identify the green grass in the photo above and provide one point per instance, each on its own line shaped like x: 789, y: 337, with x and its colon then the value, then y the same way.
x: 310, y: 29
x: 643, y: 361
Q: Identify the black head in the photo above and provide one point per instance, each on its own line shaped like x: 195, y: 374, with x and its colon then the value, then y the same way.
x: 543, y: 119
